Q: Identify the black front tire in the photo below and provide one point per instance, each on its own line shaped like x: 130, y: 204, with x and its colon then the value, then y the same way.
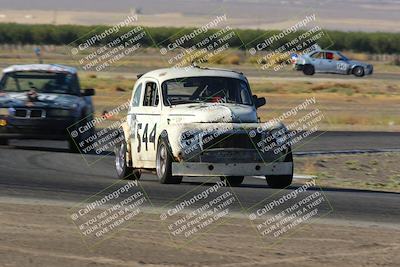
x: 124, y: 171
x: 308, y: 69
x: 233, y: 180
x: 164, y: 164
x: 358, y: 71
x: 281, y: 181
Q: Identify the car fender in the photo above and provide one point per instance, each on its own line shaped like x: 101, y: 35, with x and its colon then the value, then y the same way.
x: 352, y: 66
x: 125, y: 130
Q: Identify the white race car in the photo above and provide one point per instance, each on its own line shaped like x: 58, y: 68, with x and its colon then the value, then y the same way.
x: 200, y: 122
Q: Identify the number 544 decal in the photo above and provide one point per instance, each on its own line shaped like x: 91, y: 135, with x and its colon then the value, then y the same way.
x: 146, y: 137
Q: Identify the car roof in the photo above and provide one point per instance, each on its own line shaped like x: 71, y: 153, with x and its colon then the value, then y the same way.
x: 41, y: 67
x: 331, y: 51
x: 175, y: 73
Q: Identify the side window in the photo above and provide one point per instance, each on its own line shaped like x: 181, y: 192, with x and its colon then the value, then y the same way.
x: 151, y: 97
x: 336, y: 57
x: 136, y: 96
x: 317, y: 55
x: 329, y: 55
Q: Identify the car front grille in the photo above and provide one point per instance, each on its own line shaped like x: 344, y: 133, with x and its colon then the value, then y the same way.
x: 24, y: 113
x: 227, y: 140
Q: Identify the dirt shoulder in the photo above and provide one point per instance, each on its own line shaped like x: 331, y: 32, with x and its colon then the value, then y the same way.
x: 375, y: 171
x: 43, y: 235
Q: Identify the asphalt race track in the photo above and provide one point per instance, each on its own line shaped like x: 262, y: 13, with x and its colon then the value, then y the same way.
x: 44, y: 170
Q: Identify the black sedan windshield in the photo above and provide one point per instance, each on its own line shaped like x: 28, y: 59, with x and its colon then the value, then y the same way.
x: 41, y: 82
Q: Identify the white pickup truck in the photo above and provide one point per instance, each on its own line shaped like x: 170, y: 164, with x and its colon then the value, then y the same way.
x: 200, y: 122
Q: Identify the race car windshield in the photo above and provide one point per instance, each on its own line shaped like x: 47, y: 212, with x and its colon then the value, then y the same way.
x: 342, y: 57
x: 41, y: 82
x: 206, y: 89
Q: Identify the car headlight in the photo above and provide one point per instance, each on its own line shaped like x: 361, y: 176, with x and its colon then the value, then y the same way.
x: 59, y: 113
x: 4, y: 112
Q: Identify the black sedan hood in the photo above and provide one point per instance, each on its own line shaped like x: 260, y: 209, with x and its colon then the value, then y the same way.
x: 43, y: 100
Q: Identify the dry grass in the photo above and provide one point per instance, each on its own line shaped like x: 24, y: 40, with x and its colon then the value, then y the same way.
x: 379, y: 171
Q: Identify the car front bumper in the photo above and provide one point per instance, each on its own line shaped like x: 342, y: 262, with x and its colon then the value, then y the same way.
x: 48, y: 128
x: 231, y: 169
x: 298, y: 67
x: 369, y: 70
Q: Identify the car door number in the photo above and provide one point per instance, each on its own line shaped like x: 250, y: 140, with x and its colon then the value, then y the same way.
x: 341, y: 66
x: 146, y: 137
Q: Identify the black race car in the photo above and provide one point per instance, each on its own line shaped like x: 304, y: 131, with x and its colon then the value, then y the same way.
x: 43, y: 101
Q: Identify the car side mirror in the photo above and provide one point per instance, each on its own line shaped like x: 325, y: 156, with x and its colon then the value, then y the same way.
x: 88, y: 92
x: 259, y: 101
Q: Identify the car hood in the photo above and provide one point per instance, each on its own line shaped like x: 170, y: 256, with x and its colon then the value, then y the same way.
x: 212, y: 112
x: 43, y: 100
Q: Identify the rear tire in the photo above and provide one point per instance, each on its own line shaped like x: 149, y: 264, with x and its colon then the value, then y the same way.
x: 358, y: 71
x: 124, y: 171
x: 281, y: 181
x: 308, y: 69
x: 164, y: 164
x: 233, y: 180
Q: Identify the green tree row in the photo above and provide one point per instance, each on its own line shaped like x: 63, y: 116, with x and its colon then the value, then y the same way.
x: 369, y: 42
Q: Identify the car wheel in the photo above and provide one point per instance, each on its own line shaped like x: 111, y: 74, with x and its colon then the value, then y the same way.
x: 308, y: 69
x: 3, y: 142
x: 358, y: 71
x: 233, y: 180
x: 121, y: 164
x: 281, y: 181
x: 164, y: 165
